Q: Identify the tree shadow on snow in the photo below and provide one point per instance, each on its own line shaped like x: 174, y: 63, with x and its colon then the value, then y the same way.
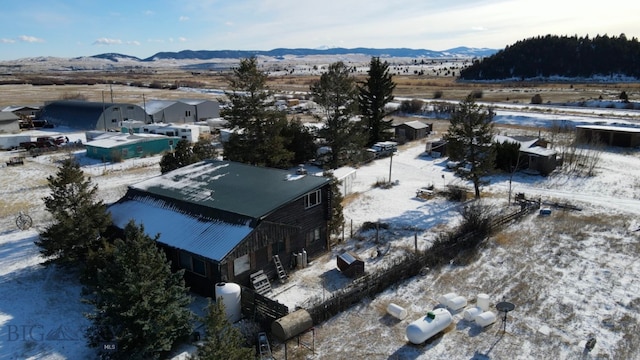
x: 32, y: 329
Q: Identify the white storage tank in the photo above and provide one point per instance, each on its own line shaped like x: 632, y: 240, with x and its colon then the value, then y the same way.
x: 486, y: 318
x: 471, y: 313
x: 483, y: 302
x: 444, y: 299
x: 424, y: 328
x: 230, y: 294
x: 396, y: 311
x: 457, y: 303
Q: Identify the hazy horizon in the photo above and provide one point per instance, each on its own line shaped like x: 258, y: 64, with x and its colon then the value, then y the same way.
x: 74, y: 28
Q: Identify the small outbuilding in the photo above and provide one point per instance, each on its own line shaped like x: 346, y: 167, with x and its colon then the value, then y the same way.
x: 412, y: 130
x: 350, y: 265
x: 9, y: 122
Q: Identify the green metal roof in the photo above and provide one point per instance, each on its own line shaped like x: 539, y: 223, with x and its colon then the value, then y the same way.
x: 233, y: 187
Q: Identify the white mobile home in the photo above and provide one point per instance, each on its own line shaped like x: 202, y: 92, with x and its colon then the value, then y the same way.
x: 188, y: 132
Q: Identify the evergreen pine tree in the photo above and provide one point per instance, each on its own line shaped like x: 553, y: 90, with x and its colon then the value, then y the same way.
x: 258, y: 138
x: 223, y: 340
x: 182, y: 156
x: 373, y: 95
x: 469, y: 140
x: 139, y: 303
x: 300, y: 141
x: 204, y: 149
x: 336, y: 221
x: 336, y: 93
x: 78, y: 218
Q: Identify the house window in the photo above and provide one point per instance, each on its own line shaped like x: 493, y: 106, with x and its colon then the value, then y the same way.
x: 187, y: 113
x: 312, y: 199
x: 125, y: 152
x: 241, y: 265
x: 278, y: 247
x: 116, y: 109
x: 139, y: 149
x: 113, y: 121
x: 170, y: 142
x: 313, y: 235
x: 192, y: 264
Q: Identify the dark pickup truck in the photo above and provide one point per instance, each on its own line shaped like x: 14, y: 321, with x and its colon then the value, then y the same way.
x: 43, y: 142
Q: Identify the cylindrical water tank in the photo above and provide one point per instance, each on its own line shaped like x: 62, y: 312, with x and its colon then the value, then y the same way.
x: 396, y: 311
x: 299, y: 260
x: 471, y: 313
x: 424, y: 328
x: 483, y: 302
x: 444, y: 299
x: 292, y: 324
x: 457, y: 303
x: 304, y: 258
x: 485, y: 319
x: 230, y: 295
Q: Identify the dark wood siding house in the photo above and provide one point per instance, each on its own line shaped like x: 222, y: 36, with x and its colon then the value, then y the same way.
x: 223, y: 221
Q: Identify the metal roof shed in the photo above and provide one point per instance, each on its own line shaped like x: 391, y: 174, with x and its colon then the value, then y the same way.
x: 350, y: 265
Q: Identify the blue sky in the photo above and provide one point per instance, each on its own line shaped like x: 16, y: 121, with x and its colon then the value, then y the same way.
x: 70, y: 28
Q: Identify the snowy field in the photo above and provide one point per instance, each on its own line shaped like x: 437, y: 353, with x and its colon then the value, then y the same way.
x: 572, y: 275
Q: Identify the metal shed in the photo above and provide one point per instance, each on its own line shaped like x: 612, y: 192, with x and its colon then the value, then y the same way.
x: 350, y: 265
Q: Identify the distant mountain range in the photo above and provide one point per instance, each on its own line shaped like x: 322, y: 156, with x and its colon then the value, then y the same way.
x: 462, y: 52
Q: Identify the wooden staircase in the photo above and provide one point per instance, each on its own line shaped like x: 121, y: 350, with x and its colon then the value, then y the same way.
x: 282, y: 275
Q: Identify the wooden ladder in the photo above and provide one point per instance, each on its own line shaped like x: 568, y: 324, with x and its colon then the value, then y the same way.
x: 265, y: 348
x: 281, y: 273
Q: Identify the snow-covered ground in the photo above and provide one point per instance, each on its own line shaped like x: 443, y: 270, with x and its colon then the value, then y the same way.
x: 571, y: 275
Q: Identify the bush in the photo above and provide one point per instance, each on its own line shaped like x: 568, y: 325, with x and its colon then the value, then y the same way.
x: 536, y: 99
x: 116, y: 156
x: 412, y: 106
x: 368, y: 225
x: 477, y: 94
x: 456, y: 193
x: 437, y: 94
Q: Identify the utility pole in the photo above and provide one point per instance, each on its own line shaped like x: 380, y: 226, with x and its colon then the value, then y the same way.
x: 390, y: 164
x: 104, y: 119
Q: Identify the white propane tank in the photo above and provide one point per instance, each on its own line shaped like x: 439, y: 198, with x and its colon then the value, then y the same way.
x: 483, y: 302
x: 396, y: 311
x: 424, y: 328
x: 457, y: 303
x: 486, y: 318
x: 304, y: 258
x: 444, y: 299
x: 230, y: 295
x: 471, y: 313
